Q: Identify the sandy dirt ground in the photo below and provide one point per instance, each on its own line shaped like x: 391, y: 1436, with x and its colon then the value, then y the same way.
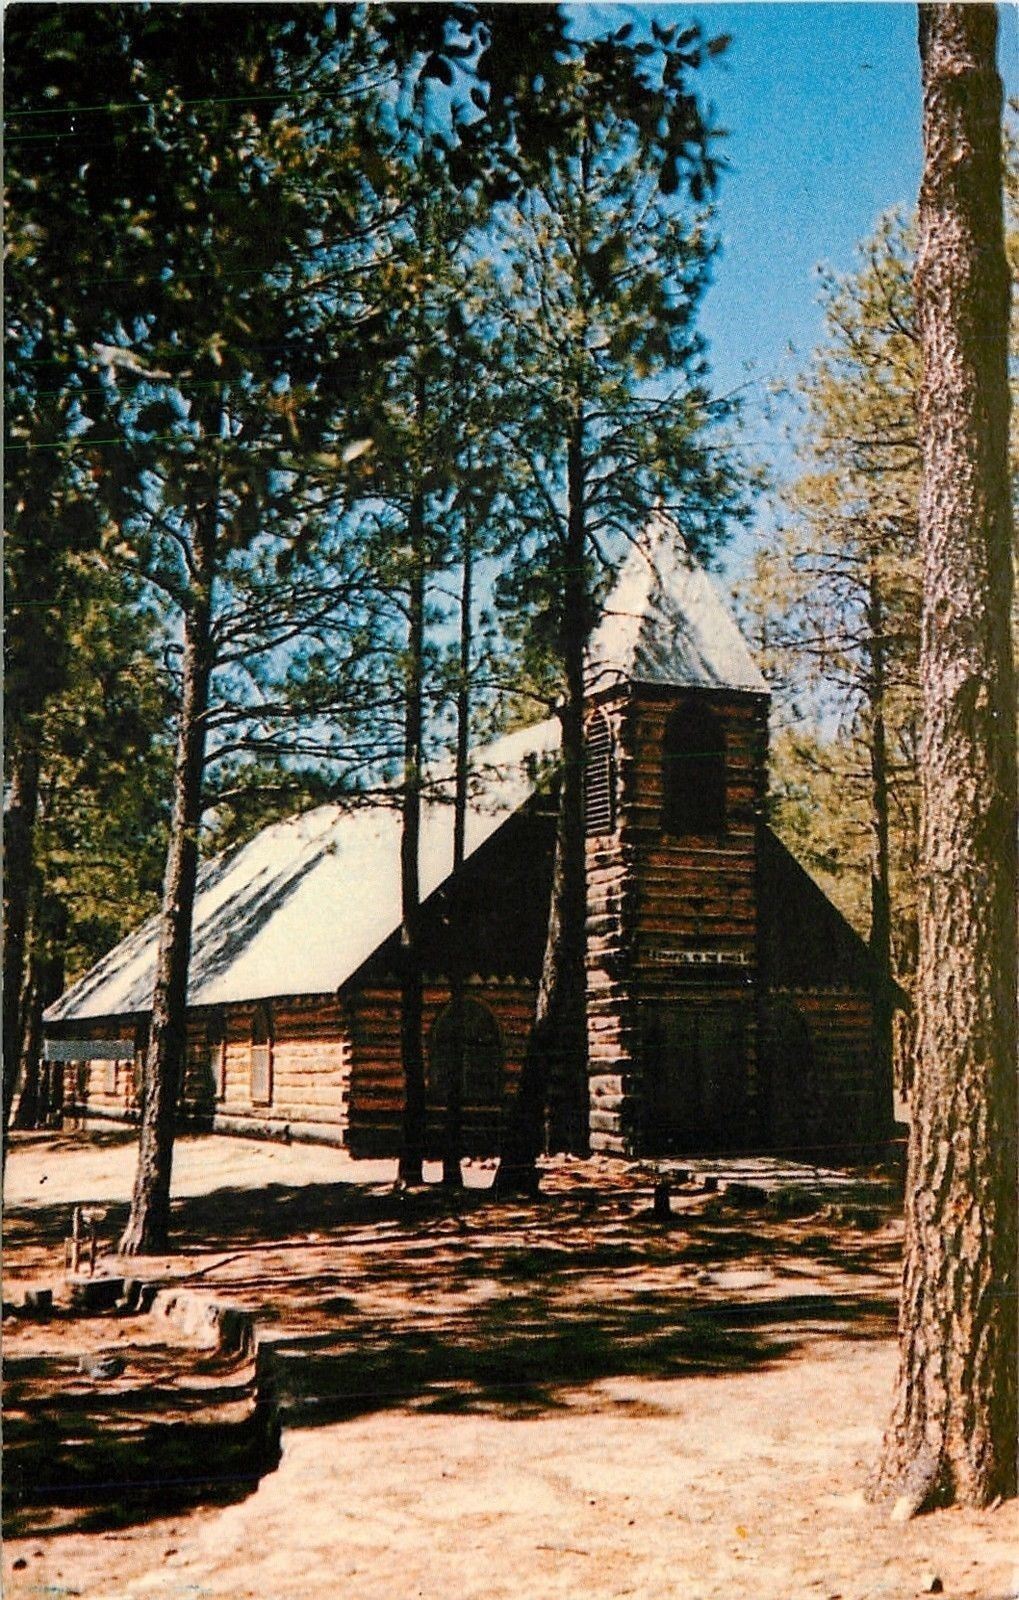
x: 562, y: 1399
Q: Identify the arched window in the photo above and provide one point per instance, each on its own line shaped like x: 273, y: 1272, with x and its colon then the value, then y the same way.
x: 599, y: 777
x: 482, y: 1055
x: 693, y: 771
x: 789, y: 1074
x: 261, y: 1054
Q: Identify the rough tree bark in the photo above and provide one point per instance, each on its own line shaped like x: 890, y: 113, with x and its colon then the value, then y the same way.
x: 30, y: 1020
x: 147, y: 1230
x: 953, y: 1432
x: 45, y: 984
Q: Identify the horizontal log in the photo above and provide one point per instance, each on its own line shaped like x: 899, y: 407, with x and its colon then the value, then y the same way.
x: 611, y: 1104
x: 282, y: 1107
x: 608, y: 1143
x: 611, y: 1085
x: 307, y: 1095
x: 604, y: 1122
x: 272, y: 1128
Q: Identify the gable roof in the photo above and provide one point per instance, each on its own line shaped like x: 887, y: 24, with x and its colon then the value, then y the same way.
x: 301, y: 906
x: 665, y: 622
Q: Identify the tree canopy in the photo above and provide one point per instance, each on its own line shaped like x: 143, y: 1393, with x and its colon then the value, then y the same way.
x: 315, y: 311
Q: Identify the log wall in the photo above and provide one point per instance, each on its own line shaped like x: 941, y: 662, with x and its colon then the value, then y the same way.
x: 826, y: 1101
x: 105, y: 1089
x: 336, y: 1073
x: 376, y: 1093
x: 672, y: 921
x: 310, y: 1071
x: 309, y: 1079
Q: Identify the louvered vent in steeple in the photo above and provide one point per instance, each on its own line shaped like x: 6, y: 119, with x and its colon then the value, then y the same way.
x: 599, y: 777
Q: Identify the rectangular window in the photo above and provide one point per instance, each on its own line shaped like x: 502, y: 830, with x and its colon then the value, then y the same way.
x: 261, y: 1073
x: 261, y: 1056
x: 217, y: 1067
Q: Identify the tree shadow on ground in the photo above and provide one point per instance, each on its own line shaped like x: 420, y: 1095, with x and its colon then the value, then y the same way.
x: 176, y: 1428
x: 522, y: 1354
x: 57, y: 1143
x: 378, y: 1300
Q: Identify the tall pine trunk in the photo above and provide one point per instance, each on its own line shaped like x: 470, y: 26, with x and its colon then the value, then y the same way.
x: 880, y: 941
x: 554, y: 1074
x: 19, y: 826
x: 953, y: 1432
x: 32, y: 1004
x: 452, y: 1147
x: 412, y: 1146
x: 147, y: 1230
x: 44, y: 982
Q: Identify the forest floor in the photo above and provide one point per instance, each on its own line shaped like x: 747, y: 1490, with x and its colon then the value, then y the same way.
x: 562, y: 1398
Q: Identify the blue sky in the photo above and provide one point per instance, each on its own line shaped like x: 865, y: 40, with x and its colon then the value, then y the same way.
x: 821, y: 102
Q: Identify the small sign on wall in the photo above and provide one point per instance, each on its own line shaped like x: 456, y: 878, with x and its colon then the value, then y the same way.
x: 88, y: 1049
x: 699, y: 958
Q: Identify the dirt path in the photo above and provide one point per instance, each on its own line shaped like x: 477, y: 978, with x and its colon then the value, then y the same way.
x: 558, y: 1402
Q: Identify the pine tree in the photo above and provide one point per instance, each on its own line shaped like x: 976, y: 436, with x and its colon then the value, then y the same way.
x: 100, y: 836
x: 604, y: 267
x: 836, y: 605
x: 52, y: 515
x: 953, y: 1433
x: 165, y: 241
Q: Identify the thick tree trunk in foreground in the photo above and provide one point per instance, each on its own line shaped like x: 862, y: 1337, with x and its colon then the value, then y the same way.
x: 147, y: 1230
x: 19, y: 825
x: 953, y: 1433
x: 554, y: 1073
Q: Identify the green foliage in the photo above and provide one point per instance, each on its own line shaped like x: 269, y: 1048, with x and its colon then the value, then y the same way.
x: 599, y: 271
x: 834, y: 595
x: 101, y: 834
x: 815, y: 780
x: 255, y: 285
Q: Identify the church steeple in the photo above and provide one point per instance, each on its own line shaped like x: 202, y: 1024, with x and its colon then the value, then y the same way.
x: 665, y: 622
x: 677, y: 753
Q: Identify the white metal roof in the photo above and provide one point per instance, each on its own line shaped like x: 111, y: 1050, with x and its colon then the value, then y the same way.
x: 665, y: 622
x: 299, y: 907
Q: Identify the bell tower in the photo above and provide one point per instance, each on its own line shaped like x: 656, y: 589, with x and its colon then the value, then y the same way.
x: 677, y: 728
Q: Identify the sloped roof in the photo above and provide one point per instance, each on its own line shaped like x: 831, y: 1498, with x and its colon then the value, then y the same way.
x: 665, y: 622
x: 300, y: 907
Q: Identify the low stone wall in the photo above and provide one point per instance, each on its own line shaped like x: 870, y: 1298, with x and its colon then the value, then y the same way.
x: 47, y: 1464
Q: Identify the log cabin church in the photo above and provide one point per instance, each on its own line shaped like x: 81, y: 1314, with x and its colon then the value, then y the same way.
x: 729, y: 1003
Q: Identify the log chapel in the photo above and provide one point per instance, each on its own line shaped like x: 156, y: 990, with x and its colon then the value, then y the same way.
x: 729, y: 1004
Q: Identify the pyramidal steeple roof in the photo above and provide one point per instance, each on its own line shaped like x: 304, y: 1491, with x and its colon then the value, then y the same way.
x: 665, y: 622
